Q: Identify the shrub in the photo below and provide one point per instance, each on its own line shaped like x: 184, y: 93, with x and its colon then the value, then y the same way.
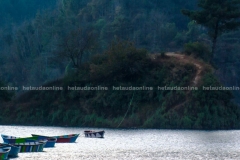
x: 162, y: 53
x: 199, y: 50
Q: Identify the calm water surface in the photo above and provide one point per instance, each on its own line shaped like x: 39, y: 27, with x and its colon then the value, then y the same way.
x: 134, y: 144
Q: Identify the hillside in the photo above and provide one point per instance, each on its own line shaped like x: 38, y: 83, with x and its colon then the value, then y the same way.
x: 34, y: 34
x: 130, y: 89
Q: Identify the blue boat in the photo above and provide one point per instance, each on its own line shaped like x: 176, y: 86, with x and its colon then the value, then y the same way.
x: 4, y: 153
x: 31, y: 146
x: 14, y: 149
x: 50, y: 141
x: 70, y: 138
x: 11, y: 139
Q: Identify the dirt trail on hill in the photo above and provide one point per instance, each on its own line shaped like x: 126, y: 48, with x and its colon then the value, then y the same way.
x: 185, y: 59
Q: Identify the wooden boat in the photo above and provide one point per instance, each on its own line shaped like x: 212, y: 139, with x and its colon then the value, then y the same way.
x: 4, y: 153
x: 14, y: 149
x: 11, y: 139
x: 62, y: 139
x: 50, y: 141
x: 31, y: 146
x: 94, y: 134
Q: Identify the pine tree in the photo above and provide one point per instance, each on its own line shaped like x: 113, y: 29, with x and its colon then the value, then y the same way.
x: 218, y: 16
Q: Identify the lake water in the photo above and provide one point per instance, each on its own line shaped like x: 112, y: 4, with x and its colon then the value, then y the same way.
x: 134, y: 144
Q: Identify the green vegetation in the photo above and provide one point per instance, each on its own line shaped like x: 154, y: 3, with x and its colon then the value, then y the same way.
x: 95, y: 43
x: 217, y: 16
x: 198, y: 50
x: 5, y: 95
x: 124, y: 65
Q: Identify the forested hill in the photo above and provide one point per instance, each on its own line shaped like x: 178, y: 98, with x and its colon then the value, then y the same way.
x: 32, y: 49
x: 67, y: 41
x: 124, y: 88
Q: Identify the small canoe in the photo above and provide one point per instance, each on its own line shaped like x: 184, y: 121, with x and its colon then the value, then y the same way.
x: 11, y: 139
x: 31, y: 146
x: 4, y: 153
x: 94, y: 134
x: 50, y: 141
x: 14, y: 149
x: 71, y: 138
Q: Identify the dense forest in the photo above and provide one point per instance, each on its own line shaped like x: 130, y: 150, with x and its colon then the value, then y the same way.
x: 107, y: 43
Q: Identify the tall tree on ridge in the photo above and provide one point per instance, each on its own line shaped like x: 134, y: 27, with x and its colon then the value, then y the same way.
x: 218, y: 16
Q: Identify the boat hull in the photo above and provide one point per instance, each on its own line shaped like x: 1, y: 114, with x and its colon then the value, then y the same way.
x: 14, y: 149
x: 50, y: 144
x: 62, y: 139
x: 31, y: 146
x: 4, y: 153
x: 51, y: 141
x: 93, y: 134
x: 11, y: 139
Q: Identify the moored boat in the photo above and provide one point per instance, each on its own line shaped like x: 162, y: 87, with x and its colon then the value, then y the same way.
x: 31, y: 146
x: 62, y: 139
x: 14, y: 149
x: 4, y: 153
x: 94, y: 134
x: 11, y: 139
x: 50, y: 141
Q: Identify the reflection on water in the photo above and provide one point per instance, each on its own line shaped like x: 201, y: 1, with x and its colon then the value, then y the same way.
x: 134, y: 144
